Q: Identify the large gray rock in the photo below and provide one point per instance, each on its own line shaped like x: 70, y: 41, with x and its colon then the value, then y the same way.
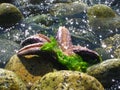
x: 67, y: 80
x: 7, y: 49
x: 106, y: 71
x: 10, y: 81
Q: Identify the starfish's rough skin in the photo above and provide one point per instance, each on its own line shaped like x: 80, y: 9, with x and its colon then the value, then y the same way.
x: 33, y: 44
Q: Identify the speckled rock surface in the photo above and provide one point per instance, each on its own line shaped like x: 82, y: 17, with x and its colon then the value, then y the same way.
x: 9, y: 14
x: 28, y: 69
x: 106, y: 71
x: 10, y: 81
x: 67, y: 80
x: 112, y: 43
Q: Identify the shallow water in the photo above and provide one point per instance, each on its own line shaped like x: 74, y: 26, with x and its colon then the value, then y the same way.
x: 81, y: 32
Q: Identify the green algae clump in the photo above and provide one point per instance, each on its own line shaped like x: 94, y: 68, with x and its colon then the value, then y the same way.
x: 72, y: 62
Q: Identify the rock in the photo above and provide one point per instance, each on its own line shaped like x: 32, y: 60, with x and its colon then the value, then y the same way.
x: 60, y: 1
x: 30, y: 68
x: 31, y: 9
x: 67, y: 9
x: 7, y: 49
x: 85, y: 38
x: 106, y: 27
x: 67, y: 80
x: 9, y: 14
x: 115, y: 3
x: 43, y: 19
x: 100, y: 11
x: 103, y: 53
x: 10, y: 81
x: 51, y: 1
x: 106, y: 71
x: 112, y: 45
x: 103, y: 21
x: 72, y: 15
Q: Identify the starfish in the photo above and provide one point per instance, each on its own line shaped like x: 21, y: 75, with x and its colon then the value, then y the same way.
x: 34, y: 46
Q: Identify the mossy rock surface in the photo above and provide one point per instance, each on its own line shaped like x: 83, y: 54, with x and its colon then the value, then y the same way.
x: 101, y: 11
x: 106, y: 71
x: 67, y: 80
x: 10, y: 81
x: 30, y: 68
x: 9, y: 14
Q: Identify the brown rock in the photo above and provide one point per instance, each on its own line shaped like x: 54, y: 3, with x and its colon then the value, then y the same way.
x: 67, y: 80
x: 29, y: 68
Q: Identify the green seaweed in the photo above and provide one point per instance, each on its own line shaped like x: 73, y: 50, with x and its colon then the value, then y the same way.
x: 72, y: 62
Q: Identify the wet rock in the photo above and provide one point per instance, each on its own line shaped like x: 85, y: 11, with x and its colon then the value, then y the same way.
x: 103, y: 21
x: 100, y: 11
x: 115, y: 3
x: 106, y: 71
x: 72, y: 15
x: 85, y: 38
x: 36, y: 1
x: 9, y: 14
x: 10, y: 81
x: 7, y: 49
x: 31, y: 9
x: 67, y: 9
x: 43, y: 19
x: 93, y: 2
x: 30, y: 68
x: 67, y: 80
x: 61, y: 1
x: 103, y: 53
x: 105, y: 27
x: 112, y: 45
x: 6, y: 1
x: 51, y: 1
